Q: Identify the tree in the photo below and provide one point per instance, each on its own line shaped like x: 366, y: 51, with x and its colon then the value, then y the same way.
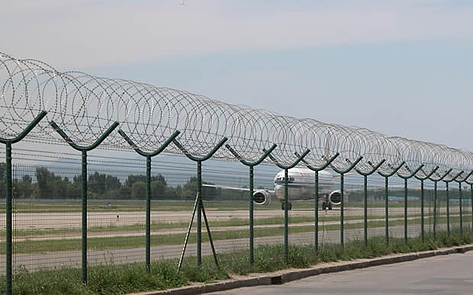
x: 45, y: 180
x: 131, y: 179
x: 96, y: 183
x: 158, y: 187
x: 124, y: 193
x: 27, y: 178
x: 25, y: 187
x: 138, y: 190
x: 189, y: 190
x: 2, y: 180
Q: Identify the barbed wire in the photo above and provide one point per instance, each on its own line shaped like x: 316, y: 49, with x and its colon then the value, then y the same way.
x: 84, y: 106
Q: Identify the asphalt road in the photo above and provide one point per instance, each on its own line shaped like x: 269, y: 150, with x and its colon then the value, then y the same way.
x: 450, y: 274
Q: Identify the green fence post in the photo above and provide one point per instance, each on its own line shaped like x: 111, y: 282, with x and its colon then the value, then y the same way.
x: 84, y: 151
x: 460, y: 207
x: 199, y: 161
x: 405, y: 197
x: 448, y: 199
x: 405, y: 210
x: 8, y: 201
x: 471, y: 203
x: 342, y: 210
x: 386, y: 197
x: 251, y: 214
x: 448, y: 208
x: 251, y: 166
x: 9, y: 198
x: 199, y: 213
x: 342, y: 172
x: 436, y: 198
x: 471, y: 200
x: 286, y: 198
x: 435, y: 210
x: 148, y: 185
x: 422, y: 219
x: 316, y: 195
x: 365, y: 195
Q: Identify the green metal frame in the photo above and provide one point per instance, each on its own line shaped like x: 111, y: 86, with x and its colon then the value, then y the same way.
x: 251, y: 166
x: 286, y: 202
x: 84, y: 151
x: 405, y: 198
x: 9, y: 196
x: 422, y: 217
x: 342, y: 182
x: 199, y: 203
x: 316, y: 196
x: 448, y: 199
x: 386, y: 197
x: 365, y: 197
x: 148, y: 185
x: 436, y: 199
x: 471, y: 200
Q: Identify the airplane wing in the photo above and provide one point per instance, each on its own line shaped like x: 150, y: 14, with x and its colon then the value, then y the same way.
x: 346, y: 174
x: 242, y: 189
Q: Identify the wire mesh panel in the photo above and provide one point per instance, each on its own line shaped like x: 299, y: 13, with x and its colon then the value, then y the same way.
x: 330, y: 210
x: 454, y: 198
x: 376, y: 207
x: 115, y: 210
x: 413, y: 208
x: 46, y: 219
x: 429, y: 208
x: 354, y: 208
x: 396, y: 207
x: 467, y: 208
x: 440, y: 220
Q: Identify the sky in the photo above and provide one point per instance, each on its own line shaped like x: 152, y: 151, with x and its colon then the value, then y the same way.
x: 402, y: 68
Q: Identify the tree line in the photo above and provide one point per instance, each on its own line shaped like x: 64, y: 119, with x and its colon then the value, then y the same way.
x: 102, y: 186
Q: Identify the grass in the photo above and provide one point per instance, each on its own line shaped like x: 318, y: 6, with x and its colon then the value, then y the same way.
x: 122, y: 279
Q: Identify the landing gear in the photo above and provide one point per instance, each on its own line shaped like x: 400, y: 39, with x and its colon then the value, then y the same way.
x: 289, y: 206
x: 326, y: 205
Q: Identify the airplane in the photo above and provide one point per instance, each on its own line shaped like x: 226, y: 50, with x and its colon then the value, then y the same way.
x: 301, y: 184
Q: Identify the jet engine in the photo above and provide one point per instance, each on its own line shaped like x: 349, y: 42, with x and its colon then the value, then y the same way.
x: 335, y: 198
x: 261, y: 197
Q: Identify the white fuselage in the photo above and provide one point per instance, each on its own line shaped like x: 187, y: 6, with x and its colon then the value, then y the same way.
x: 301, y: 184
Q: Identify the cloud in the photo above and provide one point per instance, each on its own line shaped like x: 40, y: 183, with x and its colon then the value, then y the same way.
x: 92, y: 33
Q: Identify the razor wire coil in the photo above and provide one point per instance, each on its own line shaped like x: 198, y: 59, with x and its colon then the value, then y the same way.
x: 84, y: 106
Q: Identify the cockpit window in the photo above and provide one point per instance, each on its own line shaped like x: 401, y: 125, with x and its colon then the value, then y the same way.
x: 281, y: 179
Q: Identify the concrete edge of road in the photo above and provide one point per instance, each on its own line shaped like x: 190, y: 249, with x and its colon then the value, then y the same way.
x: 288, y: 275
